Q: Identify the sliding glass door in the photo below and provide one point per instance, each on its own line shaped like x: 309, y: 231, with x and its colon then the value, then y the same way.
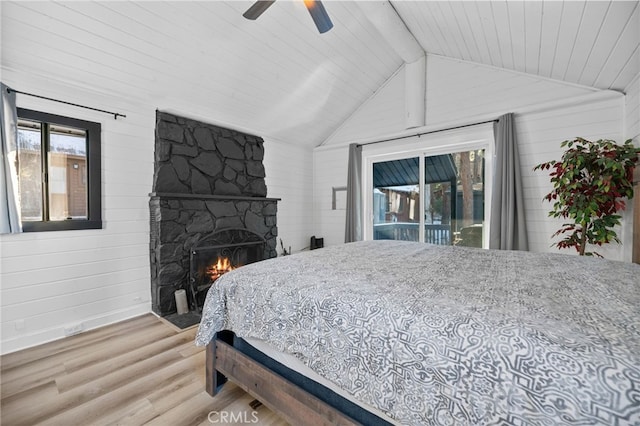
x: 437, y: 199
x: 396, y: 200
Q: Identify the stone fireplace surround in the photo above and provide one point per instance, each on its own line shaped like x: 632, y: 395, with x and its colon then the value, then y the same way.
x: 206, y: 179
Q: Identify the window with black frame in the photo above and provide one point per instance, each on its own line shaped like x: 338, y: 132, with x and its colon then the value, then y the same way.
x: 59, y: 172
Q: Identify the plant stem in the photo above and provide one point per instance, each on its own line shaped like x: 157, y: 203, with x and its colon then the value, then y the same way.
x: 583, y: 238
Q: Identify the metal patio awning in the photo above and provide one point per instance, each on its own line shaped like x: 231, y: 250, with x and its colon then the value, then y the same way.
x: 438, y: 168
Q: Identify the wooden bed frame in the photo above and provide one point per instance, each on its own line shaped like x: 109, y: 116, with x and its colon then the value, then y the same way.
x: 283, y: 397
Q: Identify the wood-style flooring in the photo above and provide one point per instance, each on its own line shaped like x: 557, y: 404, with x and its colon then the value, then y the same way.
x: 136, y: 372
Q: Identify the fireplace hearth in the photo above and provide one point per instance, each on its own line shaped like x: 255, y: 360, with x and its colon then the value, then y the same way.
x: 209, y: 201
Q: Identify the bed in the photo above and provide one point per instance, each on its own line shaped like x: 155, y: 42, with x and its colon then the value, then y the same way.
x: 421, y: 334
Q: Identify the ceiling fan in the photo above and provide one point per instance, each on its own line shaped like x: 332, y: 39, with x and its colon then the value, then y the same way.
x: 315, y: 8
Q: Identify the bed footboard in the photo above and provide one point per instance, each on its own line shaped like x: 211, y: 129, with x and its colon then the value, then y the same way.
x: 286, y: 399
x: 213, y: 379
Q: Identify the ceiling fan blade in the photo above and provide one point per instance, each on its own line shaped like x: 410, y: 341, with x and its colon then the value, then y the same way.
x: 257, y: 9
x: 319, y: 15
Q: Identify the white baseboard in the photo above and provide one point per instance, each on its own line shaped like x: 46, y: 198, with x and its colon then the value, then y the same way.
x: 56, y: 333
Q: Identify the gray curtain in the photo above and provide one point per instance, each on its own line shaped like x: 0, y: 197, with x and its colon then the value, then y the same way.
x: 353, y: 229
x: 10, y: 210
x: 507, y: 226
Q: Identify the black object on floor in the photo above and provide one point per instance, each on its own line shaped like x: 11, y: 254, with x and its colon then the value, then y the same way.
x: 184, y: 320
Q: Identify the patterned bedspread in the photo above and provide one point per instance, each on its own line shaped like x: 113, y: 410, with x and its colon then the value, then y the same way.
x: 442, y: 335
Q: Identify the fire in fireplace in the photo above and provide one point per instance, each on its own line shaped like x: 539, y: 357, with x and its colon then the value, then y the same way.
x: 220, y: 267
x: 217, y: 254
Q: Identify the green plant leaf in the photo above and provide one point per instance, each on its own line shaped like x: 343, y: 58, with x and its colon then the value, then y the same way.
x: 588, y: 185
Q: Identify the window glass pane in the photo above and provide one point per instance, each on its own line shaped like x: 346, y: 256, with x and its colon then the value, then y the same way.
x: 67, y: 173
x: 30, y: 166
x: 440, y: 175
x: 396, y: 200
x: 459, y: 202
x: 437, y: 225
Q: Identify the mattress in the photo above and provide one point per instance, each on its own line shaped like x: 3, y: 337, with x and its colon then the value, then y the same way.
x: 298, y: 366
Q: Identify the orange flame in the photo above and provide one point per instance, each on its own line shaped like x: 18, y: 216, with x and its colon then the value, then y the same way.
x: 221, y: 266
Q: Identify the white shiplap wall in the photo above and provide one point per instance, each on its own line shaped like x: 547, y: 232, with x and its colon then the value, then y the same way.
x: 329, y: 171
x: 632, y: 131
x: 459, y: 92
x: 456, y: 91
x: 289, y: 169
x: 632, y: 111
x: 384, y: 110
x: 88, y: 278
x: 539, y: 135
x: 53, y: 280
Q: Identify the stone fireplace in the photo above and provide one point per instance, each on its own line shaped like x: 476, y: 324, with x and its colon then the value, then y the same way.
x: 209, y: 195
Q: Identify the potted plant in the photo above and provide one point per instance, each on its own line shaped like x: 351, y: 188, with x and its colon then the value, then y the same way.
x: 590, y: 183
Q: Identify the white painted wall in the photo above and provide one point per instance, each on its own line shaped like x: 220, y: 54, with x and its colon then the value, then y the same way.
x: 383, y: 111
x: 53, y: 280
x: 86, y: 278
x: 539, y: 135
x: 632, y: 111
x: 632, y: 131
x: 289, y: 169
x: 329, y: 171
x: 458, y: 92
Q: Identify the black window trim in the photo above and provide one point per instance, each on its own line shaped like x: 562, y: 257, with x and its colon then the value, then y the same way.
x: 94, y: 184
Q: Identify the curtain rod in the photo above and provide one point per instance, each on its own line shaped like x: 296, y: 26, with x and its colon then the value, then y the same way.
x: 115, y: 114
x: 429, y: 132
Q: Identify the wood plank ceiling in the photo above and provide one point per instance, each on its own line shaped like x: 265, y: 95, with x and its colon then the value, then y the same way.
x: 277, y: 76
x: 591, y: 43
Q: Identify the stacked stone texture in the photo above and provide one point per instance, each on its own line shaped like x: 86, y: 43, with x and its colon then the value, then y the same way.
x: 198, y: 158
x: 207, y: 179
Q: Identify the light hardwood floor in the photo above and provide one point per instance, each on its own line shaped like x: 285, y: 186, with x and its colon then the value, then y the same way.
x: 136, y: 372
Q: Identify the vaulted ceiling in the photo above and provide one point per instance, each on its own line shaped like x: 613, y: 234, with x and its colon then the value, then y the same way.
x: 591, y: 43
x: 278, y: 77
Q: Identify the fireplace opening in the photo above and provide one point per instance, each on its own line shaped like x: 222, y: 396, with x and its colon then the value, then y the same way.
x: 218, y: 254
x: 221, y: 266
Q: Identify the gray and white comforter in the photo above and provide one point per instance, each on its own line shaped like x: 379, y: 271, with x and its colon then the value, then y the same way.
x: 449, y: 335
